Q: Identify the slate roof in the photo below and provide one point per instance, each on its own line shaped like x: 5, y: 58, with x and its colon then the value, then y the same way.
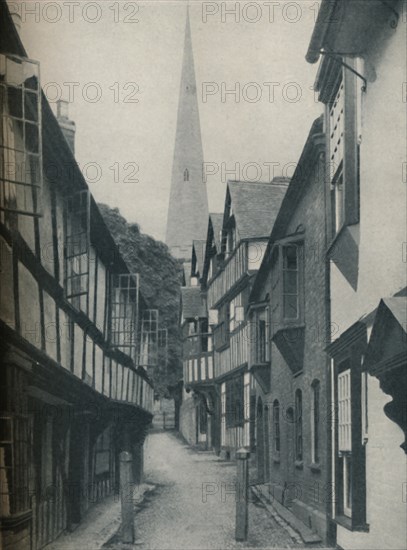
x: 193, y: 304
x: 255, y: 205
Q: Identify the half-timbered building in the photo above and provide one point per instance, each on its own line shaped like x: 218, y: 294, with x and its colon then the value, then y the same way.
x: 362, y: 48
x: 197, y: 421
x: 232, y: 259
x: 77, y: 335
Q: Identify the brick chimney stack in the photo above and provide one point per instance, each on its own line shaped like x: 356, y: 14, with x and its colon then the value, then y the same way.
x: 67, y: 126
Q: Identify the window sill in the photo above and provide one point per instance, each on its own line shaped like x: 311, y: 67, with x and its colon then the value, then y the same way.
x: 315, y: 467
x: 345, y: 521
x: 299, y: 464
x: 334, y: 241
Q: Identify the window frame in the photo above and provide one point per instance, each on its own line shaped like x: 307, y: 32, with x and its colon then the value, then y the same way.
x: 348, y: 168
x: 278, y: 319
x: 276, y: 428
x: 315, y: 422
x: 299, y: 441
x: 347, y: 353
x: 235, y: 417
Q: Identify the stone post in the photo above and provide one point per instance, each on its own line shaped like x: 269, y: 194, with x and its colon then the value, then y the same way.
x: 242, y: 496
x: 126, y: 498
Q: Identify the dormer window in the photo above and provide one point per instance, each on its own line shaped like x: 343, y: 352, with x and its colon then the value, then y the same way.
x: 186, y: 174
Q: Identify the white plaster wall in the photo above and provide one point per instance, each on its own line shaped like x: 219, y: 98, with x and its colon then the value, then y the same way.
x: 382, y: 272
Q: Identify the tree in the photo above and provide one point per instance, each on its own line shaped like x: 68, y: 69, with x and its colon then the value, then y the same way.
x: 160, y: 284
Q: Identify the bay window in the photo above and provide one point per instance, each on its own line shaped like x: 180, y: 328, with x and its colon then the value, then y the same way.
x: 20, y: 148
x: 77, y: 245
x: 287, y: 284
x: 124, y: 313
x: 344, y: 121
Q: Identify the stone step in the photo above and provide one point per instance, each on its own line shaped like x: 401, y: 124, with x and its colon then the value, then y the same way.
x: 308, y: 536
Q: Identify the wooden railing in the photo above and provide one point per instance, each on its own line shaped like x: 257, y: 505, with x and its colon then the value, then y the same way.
x: 231, y: 272
x: 236, y: 354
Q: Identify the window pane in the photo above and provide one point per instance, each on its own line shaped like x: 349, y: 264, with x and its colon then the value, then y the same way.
x: 14, y: 72
x: 290, y: 282
x: 290, y: 257
x: 31, y: 79
x: 30, y: 106
x: 31, y: 138
x: 290, y: 307
x: 15, y: 102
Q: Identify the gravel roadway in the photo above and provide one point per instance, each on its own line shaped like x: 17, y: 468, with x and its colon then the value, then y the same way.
x: 193, y: 504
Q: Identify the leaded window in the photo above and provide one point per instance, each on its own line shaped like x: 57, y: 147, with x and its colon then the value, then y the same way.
x: 77, y: 243
x: 124, y: 313
x: 20, y: 145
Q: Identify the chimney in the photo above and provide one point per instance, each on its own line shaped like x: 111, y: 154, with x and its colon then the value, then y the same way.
x: 67, y: 126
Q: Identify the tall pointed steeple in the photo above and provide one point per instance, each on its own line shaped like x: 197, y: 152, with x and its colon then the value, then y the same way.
x: 188, y: 207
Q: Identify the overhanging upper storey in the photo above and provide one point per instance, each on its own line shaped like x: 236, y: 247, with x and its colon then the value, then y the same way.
x: 249, y: 214
x: 348, y: 28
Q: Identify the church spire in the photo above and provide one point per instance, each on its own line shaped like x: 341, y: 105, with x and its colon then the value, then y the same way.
x: 188, y: 207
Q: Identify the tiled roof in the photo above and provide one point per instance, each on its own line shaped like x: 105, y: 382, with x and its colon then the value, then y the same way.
x: 255, y: 205
x: 193, y: 304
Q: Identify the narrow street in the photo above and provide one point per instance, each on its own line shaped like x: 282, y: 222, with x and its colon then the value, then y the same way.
x: 193, y: 505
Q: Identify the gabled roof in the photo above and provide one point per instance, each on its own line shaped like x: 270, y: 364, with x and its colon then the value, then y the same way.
x: 297, y: 187
x: 217, y: 222
x: 193, y: 303
x: 255, y: 205
x: 198, y: 247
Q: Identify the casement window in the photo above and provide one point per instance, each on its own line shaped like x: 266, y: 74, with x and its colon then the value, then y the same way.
x: 235, y: 402
x: 345, y: 439
x: 186, y: 174
x: 20, y: 147
x: 149, y: 338
x: 103, y: 452
x: 262, y: 336
x: 77, y: 246
x: 315, y: 421
x: 298, y: 426
x: 235, y: 312
x: 350, y: 458
x: 15, y: 441
x: 290, y: 284
x: 344, y: 116
x: 124, y: 312
x: 287, y: 284
x: 246, y: 432
x: 276, y: 426
x: 221, y: 330
x: 204, y: 336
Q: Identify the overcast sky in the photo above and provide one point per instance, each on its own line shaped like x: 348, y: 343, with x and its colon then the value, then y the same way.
x: 259, y: 51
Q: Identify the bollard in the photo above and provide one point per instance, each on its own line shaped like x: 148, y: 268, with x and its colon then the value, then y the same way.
x: 126, y: 498
x: 242, y: 500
